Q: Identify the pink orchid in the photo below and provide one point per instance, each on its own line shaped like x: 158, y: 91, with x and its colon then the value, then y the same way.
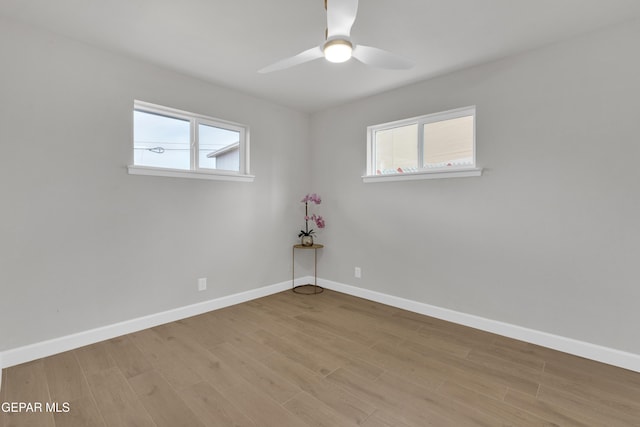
x: 314, y: 198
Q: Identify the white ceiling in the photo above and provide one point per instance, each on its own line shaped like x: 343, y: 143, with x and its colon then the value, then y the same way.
x: 227, y: 41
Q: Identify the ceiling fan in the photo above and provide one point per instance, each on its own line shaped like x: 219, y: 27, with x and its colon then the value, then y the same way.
x: 338, y: 47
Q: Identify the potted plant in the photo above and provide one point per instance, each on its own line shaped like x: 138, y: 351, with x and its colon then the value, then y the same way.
x: 306, y: 235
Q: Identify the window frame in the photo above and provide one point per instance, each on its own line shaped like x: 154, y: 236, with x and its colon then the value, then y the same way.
x: 422, y: 173
x: 195, y: 171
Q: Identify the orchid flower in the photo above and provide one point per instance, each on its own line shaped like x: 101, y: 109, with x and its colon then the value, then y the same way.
x: 313, y: 198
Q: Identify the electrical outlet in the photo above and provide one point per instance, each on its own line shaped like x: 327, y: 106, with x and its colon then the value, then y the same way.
x: 358, y: 273
x: 202, y: 284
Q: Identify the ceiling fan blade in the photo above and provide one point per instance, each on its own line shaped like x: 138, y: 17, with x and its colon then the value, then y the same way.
x: 341, y: 14
x: 380, y: 58
x: 301, y: 58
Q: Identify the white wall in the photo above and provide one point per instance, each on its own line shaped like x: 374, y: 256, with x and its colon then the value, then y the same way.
x: 548, y: 238
x: 82, y: 243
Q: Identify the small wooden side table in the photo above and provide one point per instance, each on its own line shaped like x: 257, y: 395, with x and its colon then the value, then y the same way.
x: 307, y: 289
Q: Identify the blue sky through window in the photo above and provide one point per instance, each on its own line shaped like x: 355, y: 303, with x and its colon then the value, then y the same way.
x: 161, y: 141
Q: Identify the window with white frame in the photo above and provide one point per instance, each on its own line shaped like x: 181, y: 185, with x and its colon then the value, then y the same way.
x: 170, y: 142
x: 430, y: 146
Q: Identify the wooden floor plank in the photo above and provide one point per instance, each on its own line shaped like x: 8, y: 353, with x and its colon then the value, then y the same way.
x: 212, y: 408
x: 521, y: 356
x: 417, y: 399
x: 82, y: 412
x: 590, y: 411
x: 387, y: 399
x: 603, y: 390
x: 164, y: 359
x: 374, y: 316
x: 496, y: 408
x: 432, y: 369
x: 486, y: 374
x: 152, y: 345
x: 354, y: 329
x: 315, y: 413
x: 333, y: 350
x: 511, y: 366
x: 251, y: 319
x: 236, y: 330
x: 117, y: 402
x: 544, y: 410
x: 307, y: 356
x: 340, y: 400
x: 164, y: 405
x: 260, y: 408
x: 263, y: 378
x: 579, y: 368
x: 445, y: 343
x: 374, y: 421
x: 69, y: 392
x: 127, y: 356
x: 27, y: 383
x: 65, y: 377
x: 186, y: 331
x: 209, y: 368
x: 94, y: 358
x: 385, y: 418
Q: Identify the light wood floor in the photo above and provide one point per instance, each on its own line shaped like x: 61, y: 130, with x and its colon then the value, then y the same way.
x: 325, y: 360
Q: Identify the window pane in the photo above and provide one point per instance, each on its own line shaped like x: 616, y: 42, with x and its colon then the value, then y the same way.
x: 160, y: 141
x: 449, y: 143
x: 218, y: 148
x: 396, y: 149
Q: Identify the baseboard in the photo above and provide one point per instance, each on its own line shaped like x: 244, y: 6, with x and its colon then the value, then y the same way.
x: 31, y: 352
x: 596, y: 352
x: 587, y: 350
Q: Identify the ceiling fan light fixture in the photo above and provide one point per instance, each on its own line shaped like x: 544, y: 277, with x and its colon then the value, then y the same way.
x: 337, y: 50
x: 338, y: 47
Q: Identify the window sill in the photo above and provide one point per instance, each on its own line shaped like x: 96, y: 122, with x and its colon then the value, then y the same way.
x: 411, y: 176
x: 173, y: 173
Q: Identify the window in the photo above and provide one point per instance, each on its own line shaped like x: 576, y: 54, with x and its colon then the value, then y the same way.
x: 170, y: 142
x: 433, y: 146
